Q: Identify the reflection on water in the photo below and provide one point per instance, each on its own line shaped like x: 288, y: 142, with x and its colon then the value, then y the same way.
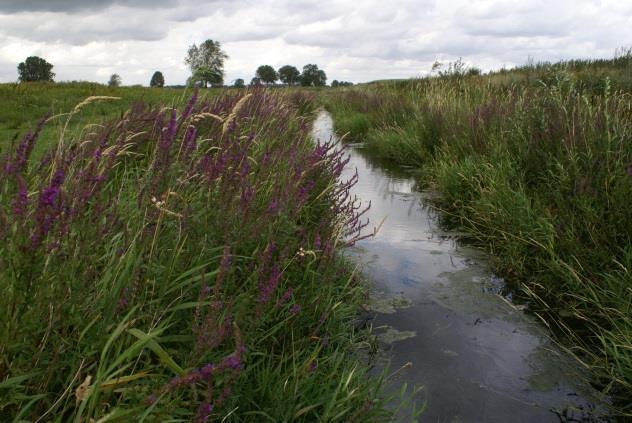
x: 479, y: 358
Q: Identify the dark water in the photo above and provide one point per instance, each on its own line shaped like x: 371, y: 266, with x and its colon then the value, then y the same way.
x: 478, y: 357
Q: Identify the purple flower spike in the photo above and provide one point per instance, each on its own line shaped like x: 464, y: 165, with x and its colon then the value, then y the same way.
x: 204, y: 411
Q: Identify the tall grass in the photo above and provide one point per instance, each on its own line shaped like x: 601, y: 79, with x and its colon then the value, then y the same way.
x: 538, y: 168
x: 180, y: 264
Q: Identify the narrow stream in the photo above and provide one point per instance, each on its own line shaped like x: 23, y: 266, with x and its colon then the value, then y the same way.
x: 478, y: 357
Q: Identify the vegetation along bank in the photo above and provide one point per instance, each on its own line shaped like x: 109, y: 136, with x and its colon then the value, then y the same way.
x: 536, y: 165
x: 178, y: 262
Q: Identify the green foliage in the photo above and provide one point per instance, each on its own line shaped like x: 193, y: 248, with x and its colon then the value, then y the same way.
x: 335, y: 84
x: 206, y: 63
x: 267, y: 74
x: 289, y: 75
x: 157, y: 80
x: 313, y: 77
x: 114, y: 81
x: 35, y: 69
x: 204, y: 76
x: 157, y: 274
x: 536, y: 165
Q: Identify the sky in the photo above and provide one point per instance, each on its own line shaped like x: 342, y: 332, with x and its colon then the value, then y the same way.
x: 356, y: 41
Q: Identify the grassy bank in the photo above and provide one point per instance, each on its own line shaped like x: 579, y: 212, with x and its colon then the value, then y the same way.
x: 536, y: 164
x: 177, y: 264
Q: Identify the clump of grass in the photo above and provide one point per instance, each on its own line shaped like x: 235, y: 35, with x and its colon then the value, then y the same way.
x: 170, y: 266
x: 537, y: 165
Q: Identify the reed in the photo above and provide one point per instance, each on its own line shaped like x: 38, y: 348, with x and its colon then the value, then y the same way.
x: 536, y: 164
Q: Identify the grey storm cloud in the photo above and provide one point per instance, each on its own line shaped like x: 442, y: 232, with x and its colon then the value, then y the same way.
x: 71, y: 6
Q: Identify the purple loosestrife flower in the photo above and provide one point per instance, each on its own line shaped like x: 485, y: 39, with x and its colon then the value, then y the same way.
x: 48, y: 196
x: 232, y: 362
x: 189, y: 141
x: 295, y: 309
x: 24, y: 148
x: 273, y: 207
x: 21, y: 201
x: 285, y: 298
x: 189, y: 107
x: 267, y: 287
x: 204, y: 412
x: 247, y: 195
x: 169, y: 133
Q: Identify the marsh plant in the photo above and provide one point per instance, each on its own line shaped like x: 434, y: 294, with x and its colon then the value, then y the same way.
x: 180, y: 263
x: 536, y: 164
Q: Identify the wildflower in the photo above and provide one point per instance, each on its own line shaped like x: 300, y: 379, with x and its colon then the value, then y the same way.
x: 266, y: 289
x: 232, y: 362
x: 204, y: 411
x: 286, y: 296
x: 21, y: 201
x: 295, y: 309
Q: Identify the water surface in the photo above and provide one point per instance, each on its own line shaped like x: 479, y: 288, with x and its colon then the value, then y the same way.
x: 479, y: 357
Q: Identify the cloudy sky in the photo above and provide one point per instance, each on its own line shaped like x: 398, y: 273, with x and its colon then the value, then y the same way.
x: 359, y: 40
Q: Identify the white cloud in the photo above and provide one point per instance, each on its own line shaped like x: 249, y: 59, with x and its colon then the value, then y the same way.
x: 352, y: 41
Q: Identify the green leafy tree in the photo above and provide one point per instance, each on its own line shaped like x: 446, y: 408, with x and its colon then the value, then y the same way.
x: 289, y: 75
x: 255, y: 82
x: 206, y: 62
x: 313, y: 77
x: 204, y: 75
x: 267, y: 74
x: 157, y: 80
x: 115, y: 80
x: 35, y: 69
x: 239, y: 83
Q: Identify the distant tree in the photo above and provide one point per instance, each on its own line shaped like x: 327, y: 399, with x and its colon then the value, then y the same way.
x: 239, y: 83
x: 474, y: 71
x: 115, y: 80
x: 335, y: 83
x: 267, y: 74
x: 206, y: 62
x: 35, y: 69
x: 313, y: 77
x: 204, y: 75
x: 157, y: 80
x: 289, y: 75
x: 255, y: 82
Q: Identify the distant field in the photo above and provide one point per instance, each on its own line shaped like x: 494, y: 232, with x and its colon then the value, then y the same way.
x: 24, y: 104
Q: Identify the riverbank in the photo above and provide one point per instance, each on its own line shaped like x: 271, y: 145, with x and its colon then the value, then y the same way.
x: 536, y: 166
x: 440, y: 316
x: 180, y: 262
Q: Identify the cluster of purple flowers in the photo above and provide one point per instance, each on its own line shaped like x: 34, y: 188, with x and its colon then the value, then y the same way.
x: 230, y: 171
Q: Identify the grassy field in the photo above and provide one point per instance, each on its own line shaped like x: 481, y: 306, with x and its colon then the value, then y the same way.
x: 536, y: 164
x: 176, y: 261
x: 24, y: 104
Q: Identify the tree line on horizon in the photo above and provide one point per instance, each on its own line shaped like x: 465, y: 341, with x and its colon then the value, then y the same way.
x: 206, y: 63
